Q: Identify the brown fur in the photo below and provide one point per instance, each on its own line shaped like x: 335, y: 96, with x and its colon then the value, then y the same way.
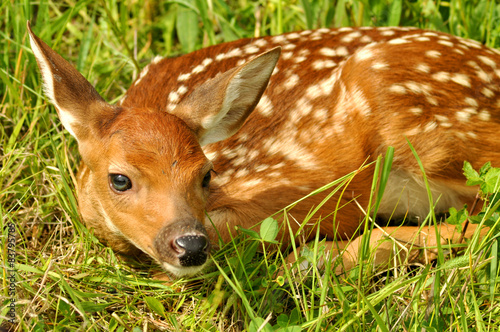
x: 336, y: 100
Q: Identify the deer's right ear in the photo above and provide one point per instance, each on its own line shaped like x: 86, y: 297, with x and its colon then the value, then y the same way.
x: 76, y: 100
x: 217, y: 109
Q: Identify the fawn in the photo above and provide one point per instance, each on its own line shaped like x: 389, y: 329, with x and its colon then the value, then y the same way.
x: 273, y: 119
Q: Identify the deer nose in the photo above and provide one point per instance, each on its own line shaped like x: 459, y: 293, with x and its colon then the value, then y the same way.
x: 192, y: 249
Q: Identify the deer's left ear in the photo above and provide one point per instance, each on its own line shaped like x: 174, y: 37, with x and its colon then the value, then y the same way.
x: 218, y: 108
x: 77, y: 102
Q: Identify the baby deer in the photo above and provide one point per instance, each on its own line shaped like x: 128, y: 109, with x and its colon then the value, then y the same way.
x: 272, y: 128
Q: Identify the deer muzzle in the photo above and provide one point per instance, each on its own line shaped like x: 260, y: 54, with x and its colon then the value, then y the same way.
x: 182, y: 247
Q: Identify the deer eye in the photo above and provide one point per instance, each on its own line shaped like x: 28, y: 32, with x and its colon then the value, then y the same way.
x: 119, y: 182
x: 206, y: 180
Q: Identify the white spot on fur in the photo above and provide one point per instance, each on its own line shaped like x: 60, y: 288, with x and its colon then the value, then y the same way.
x: 487, y: 92
x: 157, y: 59
x: 242, y: 172
x: 173, y: 97
x: 359, y: 99
x: 430, y: 126
x: 251, y: 49
x: 366, y: 39
x: 471, y: 43
x: 326, y: 85
x: 416, y: 110
x: 321, y: 114
x: 198, y: 69
x: 380, y: 65
x: 261, y: 168
x: 341, y: 51
x: 237, y: 52
x: 471, y: 101
x: 291, y: 82
x: 397, y: 88
x: 388, y: 33
x: 303, y: 107
x: 143, y: 73
x: 265, y: 106
x: 422, y: 39
x: 414, y: 131
x: 278, y: 39
x: 441, y: 76
x: 487, y: 61
x: 182, y: 90
x: 398, y: 41
x: 430, y: 34
x: 483, y: 76
x: 424, y: 68
x: 350, y: 37
x: 484, y: 115
x: 326, y: 51
x: 441, y: 118
x: 220, y: 56
x: 287, y: 147
x: 433, y: 54
x: 322, y: 64
x: 184, y: 77
x: 207, y: 61
x: 461, y: 79
x: 465, y: 114
x: 431, y: 100
x: 260, y: 43
x: 252, y: 183
x: 446, y: 43
x: 253, y: 154
x: 299, y: 59
x: 471, y: 134
x: 364, y: 54
x: 418, y: 88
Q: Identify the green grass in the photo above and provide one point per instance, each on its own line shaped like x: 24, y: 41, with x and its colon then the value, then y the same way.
x: 68, y: 281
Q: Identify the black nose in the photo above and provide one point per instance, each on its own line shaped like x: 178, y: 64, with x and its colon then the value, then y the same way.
x: 192, y: 249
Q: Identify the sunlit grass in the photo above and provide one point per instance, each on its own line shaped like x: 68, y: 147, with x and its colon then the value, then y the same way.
x: 67, y: 280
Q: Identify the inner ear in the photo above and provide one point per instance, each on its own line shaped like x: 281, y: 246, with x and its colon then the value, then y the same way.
x: 218, y: 108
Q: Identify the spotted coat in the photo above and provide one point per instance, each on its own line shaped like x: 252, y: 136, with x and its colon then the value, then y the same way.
x: 336, y: 100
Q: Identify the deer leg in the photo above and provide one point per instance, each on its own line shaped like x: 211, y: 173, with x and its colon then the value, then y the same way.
x: 391, y: 246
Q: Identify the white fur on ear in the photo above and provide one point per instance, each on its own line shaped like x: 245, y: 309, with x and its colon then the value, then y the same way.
x: 48, y: 83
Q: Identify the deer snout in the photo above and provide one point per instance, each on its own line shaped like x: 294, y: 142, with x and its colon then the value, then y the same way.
x: 182, y: 247
x: 192, y: 249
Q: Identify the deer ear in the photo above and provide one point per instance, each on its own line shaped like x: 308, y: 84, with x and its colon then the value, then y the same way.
x: 218, y: 108
x: 76, y: 100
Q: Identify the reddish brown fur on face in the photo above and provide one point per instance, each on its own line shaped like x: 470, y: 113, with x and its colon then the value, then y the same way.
x: 160, y: 195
